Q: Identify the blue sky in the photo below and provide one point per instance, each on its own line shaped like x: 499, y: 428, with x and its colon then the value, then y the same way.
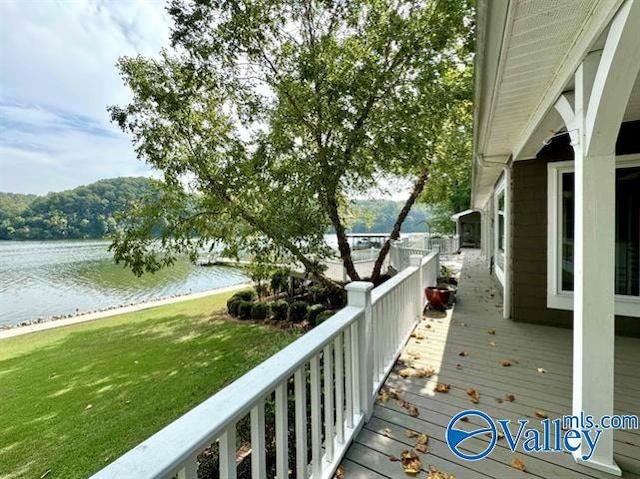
x: 57, y: 76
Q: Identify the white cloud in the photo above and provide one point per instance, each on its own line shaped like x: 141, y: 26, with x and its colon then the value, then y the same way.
x: 57, y: 75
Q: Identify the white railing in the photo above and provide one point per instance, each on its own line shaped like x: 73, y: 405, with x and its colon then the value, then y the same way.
x: 346, y: 359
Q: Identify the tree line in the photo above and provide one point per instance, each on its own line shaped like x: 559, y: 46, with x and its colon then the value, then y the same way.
x: 86, y: 212
x: 93, y: 211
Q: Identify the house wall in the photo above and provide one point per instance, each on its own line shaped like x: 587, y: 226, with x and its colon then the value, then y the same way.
x: 529, y: 234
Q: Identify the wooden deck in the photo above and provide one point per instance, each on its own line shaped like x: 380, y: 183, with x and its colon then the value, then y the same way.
x: 527, y: 347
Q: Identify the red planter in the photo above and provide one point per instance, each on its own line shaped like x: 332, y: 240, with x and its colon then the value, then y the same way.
x: 438, y: 298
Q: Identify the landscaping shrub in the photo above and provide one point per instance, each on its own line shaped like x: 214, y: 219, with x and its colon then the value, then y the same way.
x: 313, y: 312
x: 232, y: 306
x: 323, y: 316
x: 244, y: 309
x: 280, y: 281
x: 297, y: 311
x: 279, y: 310
x: 259, y: 311
x: 246, y: 295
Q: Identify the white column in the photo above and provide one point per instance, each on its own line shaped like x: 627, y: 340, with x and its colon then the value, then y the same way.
x: 594, y: 260
x: 359, y: 295
x: 602, y: 87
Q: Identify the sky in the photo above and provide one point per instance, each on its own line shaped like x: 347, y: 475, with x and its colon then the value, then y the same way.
x: 57, y: 76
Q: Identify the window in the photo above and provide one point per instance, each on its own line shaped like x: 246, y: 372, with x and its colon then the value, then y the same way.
x: 627, y: 236
x: 499, y: 207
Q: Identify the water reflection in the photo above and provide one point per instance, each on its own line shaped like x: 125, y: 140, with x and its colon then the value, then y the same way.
x: 39, y: 279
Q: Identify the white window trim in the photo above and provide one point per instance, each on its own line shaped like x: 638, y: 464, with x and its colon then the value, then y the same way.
x: 499, y: 191
x: 556, y: 297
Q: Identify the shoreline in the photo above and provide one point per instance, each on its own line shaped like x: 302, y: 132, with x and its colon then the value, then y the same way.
x: 34, y: 327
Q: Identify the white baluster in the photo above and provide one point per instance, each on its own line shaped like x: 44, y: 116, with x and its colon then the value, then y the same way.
x: 348, y: 377
x: 339, y: 353
x: 300, y: 380
x: 282, y: 433
x: 328, y: 402
x: 258, y: 453
x: 316, y: 417
x: 227, y: 453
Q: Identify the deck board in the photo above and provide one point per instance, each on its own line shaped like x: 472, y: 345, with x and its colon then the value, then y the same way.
x: 528, y: 347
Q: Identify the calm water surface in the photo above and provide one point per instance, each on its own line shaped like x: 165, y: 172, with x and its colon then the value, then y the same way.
x: 40, y: 279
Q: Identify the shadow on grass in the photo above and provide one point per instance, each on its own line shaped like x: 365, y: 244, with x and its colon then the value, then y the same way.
x: 76, y: 404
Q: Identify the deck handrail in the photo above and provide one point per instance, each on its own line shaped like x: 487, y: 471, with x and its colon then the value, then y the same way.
x: 357, y: 346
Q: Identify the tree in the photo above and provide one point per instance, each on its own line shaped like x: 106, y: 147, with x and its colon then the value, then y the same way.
x: 274, y: 113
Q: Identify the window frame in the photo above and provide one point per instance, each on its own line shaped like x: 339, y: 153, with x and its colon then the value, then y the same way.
x: 557, y: 298
x: 498, y: 253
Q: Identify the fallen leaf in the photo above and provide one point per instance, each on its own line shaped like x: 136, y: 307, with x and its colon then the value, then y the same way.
x: 435, y: 473
x: 411, y: 463
x: 89, y: 406
x: 428, y: 326
x: 340, y: 472
x: 383, y: 396
x: 509, y: 397
x: 493, y: 343
x: 423, y: 448
x: 442, y: 388
x: 463, y: 353
x: 464, y: 419
x: 517, y: 464
x: 499, y: 400
x: 407, y: 372
x: 413, y: 411
x: 393, y: 458
x: 411, y: 433
x: 541, y: 415
x: 505, y: 363
x: 492, y: 331
x: 474, y: 395
x: 386, y: 431
x: 542, y: 370
x: 425, y: 372
x: 458, y: 366
x: 417, y: 336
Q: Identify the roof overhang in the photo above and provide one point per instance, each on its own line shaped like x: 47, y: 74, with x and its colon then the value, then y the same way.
x: 527, y: 52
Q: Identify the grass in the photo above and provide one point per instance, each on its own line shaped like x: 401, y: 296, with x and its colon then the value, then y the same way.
x: 73, y: 399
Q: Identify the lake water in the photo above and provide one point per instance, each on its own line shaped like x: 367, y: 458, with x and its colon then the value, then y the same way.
x: 41, y: 279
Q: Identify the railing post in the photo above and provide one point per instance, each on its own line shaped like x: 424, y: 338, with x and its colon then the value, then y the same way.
x: 416, y: 260
x: 359, y: 295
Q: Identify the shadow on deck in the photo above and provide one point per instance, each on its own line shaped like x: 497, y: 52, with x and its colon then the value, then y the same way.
x: 464, y: 353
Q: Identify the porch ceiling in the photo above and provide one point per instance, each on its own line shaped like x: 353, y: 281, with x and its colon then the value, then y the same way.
x: 527, y: 53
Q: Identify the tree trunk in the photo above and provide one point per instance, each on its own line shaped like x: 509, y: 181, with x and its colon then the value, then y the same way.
x: 343, y: 242
x: 395, y: 232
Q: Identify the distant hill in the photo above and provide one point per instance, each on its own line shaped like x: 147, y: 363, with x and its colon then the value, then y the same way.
x: 86, y: 212
x: 90, y: 211
x: 379, y: 216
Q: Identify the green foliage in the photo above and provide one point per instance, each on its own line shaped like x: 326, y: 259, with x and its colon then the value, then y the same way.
x: 246, y: 295
x: 313, y: 312
x: 379, y: 216
x: 276, y: 127
x: 280, y: 280
x: 259, y: 311
x: 13, y: 204
x: 90, y: 211
x: 232, y: 306
x: 297, y: 311
x: 245, y: 309
x: 279, y: 310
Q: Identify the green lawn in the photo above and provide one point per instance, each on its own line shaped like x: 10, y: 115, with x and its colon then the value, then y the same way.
x: 73, y: 399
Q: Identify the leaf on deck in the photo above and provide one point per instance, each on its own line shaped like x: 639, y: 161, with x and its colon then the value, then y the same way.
x: 518, y: 464
x: 509, y: 397
x: 411, y: 463
x: 493, y: 343
x: 463, y: 353
x: 542, y: 370
x: 492, y: 331
x: 340, y: 472
x: 541, y: 415
x: 442, y: 388
x: 505, y: 363
x: 410, y: 433
x: 435, y: 473
x: 474, y: 395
